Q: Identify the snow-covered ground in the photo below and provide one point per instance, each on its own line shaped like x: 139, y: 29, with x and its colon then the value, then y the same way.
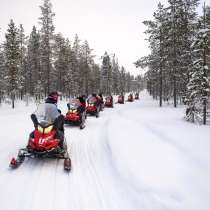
x: 136, y: 156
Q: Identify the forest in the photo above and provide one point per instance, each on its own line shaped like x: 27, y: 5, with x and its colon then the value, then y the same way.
x: 179, y: 62
x: 44, y: 61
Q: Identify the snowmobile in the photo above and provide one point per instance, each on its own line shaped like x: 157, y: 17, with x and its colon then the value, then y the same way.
x: 120, y: 99
x: 92, y: 106
x: 136, y: 96
x: 109, y: 102
x: 75, y: 115
x: 44, y: 142
x: 130, y: 97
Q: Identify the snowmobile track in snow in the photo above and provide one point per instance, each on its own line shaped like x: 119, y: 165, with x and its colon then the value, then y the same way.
x: 110, y: 170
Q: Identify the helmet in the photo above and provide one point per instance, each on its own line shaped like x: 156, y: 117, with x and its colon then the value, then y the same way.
x: 52, y: 97
x: 100, y: 94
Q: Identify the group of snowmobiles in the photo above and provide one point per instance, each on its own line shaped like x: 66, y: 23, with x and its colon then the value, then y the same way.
x: 48, y: 140
x: 131, y: 98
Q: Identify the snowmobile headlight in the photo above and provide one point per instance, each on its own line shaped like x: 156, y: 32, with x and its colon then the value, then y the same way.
x: 40, y: 129
x: 91, y: 104
x: 48, y: 129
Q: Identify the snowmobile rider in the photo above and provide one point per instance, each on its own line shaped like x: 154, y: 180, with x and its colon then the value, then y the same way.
x: 82, y: 106
x: 98, y: 102
x: 58, y: 123
x: 130, y: 96
x: 101, y: 97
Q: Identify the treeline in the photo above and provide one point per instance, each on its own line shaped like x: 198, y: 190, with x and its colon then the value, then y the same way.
x: 179, y: 62
x: 45, y: 61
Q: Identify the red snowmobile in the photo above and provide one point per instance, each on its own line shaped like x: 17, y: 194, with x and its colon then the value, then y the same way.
x: 136, y: 96
x: 130, y: 97
x: 120, y: 99
x: 44, y: 142
x: 93, y: 107
x: 109, y: 101
x: 76, y: 114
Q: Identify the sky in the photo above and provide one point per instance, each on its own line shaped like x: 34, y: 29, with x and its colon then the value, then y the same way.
x: 114, y: 26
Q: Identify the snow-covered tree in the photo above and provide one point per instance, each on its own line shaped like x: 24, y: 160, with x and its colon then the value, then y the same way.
x: 156, y: 61
x: 106, y: 73
x: 12, y: 60
x: 86, y: 61
x: 95, y: 79
x: 115, y: 76
x: 60, y: 62
x: 75, y: 65
x: 47, y: 30
x: 122, y: 80
x: 170, y: 36
x: 2, y: 75
x: 22, y: 68
x: 34, y: 74
x: 199, y: 84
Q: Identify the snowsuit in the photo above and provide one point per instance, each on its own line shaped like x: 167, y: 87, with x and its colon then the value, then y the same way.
x: 81, y: 108
x: 131, y: 97
x: 101, y: 98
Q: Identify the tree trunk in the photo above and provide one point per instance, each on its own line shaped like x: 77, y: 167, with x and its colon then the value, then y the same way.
x: 13, y: 101
x: 204, y: 112
x: 175, y: 93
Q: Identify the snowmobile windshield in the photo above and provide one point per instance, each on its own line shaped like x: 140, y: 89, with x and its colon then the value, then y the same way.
x: 74, y: 103
x: 92, y: 100
x: 109, y: 99
x: 46, y: 114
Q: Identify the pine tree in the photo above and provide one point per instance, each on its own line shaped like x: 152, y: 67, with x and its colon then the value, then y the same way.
x: 60, y: 62
x: 188, y: 29
x: 156, y: 61
x: 22, y: 68
x: 199, y: 84
x: 116, y: 76
x: 106, y: 71
x: 122, y: 80
x: 86, y: 61
x: 95, y: 79
x: 12, y: 59
x: 170, y: 60
x: 2, y: 75
x: 34, y: 74
x: 75, y: 65
x: 47, y: 30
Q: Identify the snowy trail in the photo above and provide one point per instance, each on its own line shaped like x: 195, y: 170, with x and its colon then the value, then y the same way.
x: 132, y: 157
x: 101, y: 186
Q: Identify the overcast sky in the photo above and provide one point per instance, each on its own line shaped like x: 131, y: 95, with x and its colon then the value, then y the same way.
x: 114, y: 26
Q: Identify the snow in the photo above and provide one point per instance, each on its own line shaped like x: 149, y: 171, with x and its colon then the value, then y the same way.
x: 135, y: 156
x: 206, y: 30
